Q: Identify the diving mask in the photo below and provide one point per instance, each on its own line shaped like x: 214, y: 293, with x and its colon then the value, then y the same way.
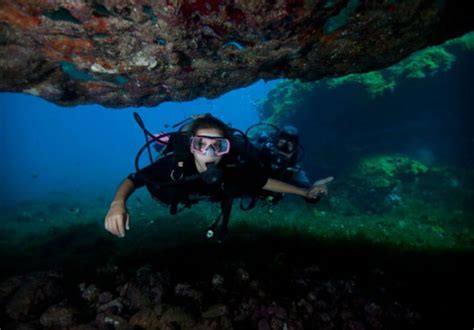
x: 210, y: 145
x: 285, y: 146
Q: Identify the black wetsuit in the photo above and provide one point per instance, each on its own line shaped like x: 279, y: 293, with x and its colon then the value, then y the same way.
x: 238, y: 179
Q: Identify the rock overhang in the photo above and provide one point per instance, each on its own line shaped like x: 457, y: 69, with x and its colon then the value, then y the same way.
x: 142, y: 53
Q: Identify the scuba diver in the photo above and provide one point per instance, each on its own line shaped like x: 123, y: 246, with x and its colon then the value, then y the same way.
x: 204, y: 159
x: 280, y: 154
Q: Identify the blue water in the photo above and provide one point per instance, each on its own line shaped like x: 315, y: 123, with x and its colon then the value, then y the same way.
x: 49, y: 151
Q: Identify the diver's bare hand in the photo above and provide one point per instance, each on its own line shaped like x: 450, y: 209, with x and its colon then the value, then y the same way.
x: 319, y: 188
x: 116, y: 218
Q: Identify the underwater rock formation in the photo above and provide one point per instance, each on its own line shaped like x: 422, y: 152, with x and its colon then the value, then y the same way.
x: 290, y: 96
x: 302, y: 299
x: 123, y: 53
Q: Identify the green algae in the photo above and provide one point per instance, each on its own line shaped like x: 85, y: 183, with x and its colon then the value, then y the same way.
x: 383, y: 171
x: 466, y: 42
x: 424, y: 63
x: 286, y: 97
x: 375, y: 82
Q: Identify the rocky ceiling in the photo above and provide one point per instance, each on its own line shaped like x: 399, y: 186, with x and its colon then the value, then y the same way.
x: 142, y: 52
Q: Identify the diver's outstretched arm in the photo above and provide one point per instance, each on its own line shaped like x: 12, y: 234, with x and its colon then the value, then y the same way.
x: 283, y: 187
x: 124, y: 191
x: 118, y: 216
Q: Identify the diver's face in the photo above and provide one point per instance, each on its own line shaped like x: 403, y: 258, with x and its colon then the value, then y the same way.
x: 285, y: 147
x: 202, y: 159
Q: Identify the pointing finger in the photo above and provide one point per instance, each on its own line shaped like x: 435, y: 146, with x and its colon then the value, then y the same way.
x: 324, y: 181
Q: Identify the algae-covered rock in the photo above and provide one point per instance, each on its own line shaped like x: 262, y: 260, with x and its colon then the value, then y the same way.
x: 386, y: 171
x: 292, y: 97
x: 376, y: 184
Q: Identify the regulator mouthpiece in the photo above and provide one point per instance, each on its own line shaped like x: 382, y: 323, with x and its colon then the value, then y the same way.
x: 210, y: 233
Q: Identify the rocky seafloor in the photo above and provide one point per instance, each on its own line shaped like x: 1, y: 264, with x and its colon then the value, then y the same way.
x: 267, y: 282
